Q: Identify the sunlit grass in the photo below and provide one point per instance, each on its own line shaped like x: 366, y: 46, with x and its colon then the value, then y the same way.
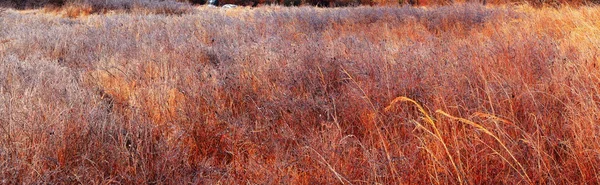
x: 458, y: 94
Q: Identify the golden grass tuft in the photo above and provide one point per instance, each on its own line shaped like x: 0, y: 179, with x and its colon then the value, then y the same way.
x: 112, y: 84
x: 75, y: 11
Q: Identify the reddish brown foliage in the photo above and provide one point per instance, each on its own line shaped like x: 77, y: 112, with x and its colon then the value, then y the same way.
x: 275, y: 95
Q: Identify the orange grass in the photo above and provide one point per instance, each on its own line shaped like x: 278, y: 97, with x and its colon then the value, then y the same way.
x: 458, y: 94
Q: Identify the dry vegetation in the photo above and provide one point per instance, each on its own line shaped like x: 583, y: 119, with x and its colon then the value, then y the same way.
x: 461, y: 94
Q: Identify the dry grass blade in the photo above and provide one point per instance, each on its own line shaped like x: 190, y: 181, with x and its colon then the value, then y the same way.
x: 431, y: 122
x: 522, y: 170
x: 376, y: 121
x: 341, y: 178
x: 489, y: 116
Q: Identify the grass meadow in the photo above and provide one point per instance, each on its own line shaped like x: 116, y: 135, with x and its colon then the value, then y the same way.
x: 180, y: 94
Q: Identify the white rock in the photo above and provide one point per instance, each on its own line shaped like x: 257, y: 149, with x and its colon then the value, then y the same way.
x: 227, y: 6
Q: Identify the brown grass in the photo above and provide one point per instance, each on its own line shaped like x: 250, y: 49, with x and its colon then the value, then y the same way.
x: 73, y: 11
x: 460, y: 94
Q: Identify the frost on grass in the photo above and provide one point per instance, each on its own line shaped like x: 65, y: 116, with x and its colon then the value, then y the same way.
x: 392, y: 95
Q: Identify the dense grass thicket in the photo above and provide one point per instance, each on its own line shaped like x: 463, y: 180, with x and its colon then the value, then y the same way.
x: 102, y: 5
x: 461, y: 94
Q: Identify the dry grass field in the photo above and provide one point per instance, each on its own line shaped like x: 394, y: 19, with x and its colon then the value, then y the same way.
x: 180, y: 94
